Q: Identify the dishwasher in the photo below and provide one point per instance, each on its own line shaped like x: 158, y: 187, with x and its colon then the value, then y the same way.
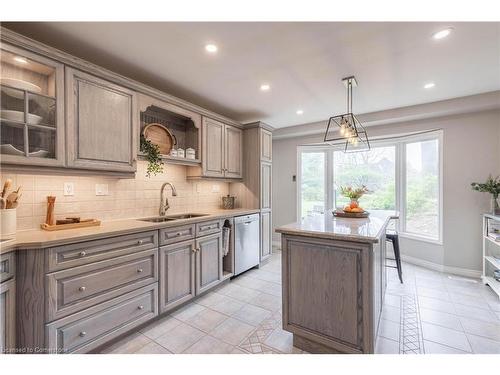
x: 246, y: 242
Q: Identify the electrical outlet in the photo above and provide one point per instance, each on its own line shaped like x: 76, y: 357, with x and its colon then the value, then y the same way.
x: 69, y: 188
x: 101, y: 189
x: 215, y: 188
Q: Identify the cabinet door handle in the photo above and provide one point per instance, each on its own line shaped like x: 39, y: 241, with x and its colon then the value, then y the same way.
x: 83, y: 333
x: 82, y: 289
x: 83, y: 253
x: 197, y: 249
x: 139, y: 270
x: 140, y: 307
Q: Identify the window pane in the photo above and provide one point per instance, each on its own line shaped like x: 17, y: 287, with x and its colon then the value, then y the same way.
x: 312, y: 189
x: 375, y: 169
x: 422, y: 188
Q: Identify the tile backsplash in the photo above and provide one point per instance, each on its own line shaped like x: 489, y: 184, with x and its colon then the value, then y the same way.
x: 127, y: 198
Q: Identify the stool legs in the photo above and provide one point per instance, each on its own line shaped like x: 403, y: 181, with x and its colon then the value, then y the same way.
x: 397, y: 256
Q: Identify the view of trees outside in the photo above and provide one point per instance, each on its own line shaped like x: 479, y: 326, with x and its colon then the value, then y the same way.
x: 375, y: 169
x: 313, y: 183
x: 422, y: 188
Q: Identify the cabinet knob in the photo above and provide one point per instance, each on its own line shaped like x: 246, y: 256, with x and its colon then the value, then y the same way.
x: 82, y: 289
x: 140, y: 307
x: 197, y: 249
x: 83, y: 253
x: 140, y: 242
x: 83, y: 333
x: 178, y: 233
x: 139, y: 270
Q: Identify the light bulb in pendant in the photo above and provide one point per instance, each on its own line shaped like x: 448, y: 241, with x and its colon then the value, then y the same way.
x: 355, y: 142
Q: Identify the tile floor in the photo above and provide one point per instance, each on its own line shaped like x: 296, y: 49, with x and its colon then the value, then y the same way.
x: 429, y: 313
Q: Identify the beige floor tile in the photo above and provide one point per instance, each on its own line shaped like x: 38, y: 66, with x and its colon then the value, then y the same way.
x: 250, y: 282
x: 238, y: 351
x: 180, y: 338
x: 441, y: 318
x: 207, y: 320
x: 386, y: 346
x: 280, y: 340
x: 390, y: 330
x: 436, y: 304
x: 160, y: 327
x: 431, y: 347
x: 210, y: 299
x: 209, y: 345
x: 482, y: 345
x: 446, y: 336
x: 392, y: 300
x: 251, y: 314
x: 474, y: 301
x: 476, y: 313
x: 266, y: 276
x: 188, y: 311
x: 228, y: 306
x: 267, y: 301
x: 232, y: 331
x: 152, y: 348
x: 242, y: 294
x: 129, y: 344
x: 480, y: 328
x: 433, y: 293
x: 391, y: 313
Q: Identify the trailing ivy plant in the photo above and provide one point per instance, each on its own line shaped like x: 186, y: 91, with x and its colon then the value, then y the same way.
x: 153, y: 156
x: 492, y: 186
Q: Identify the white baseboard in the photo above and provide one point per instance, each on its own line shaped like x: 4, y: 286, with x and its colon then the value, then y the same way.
x: 440, y: 267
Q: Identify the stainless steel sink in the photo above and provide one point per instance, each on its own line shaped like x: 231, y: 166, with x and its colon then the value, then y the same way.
x: 162, y: 219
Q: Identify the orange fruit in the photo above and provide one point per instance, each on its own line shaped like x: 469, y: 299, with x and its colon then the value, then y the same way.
x: 347, y: 209
x: 354, y: 204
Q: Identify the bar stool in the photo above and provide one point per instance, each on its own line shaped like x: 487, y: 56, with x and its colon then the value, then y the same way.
x: 392, y: 236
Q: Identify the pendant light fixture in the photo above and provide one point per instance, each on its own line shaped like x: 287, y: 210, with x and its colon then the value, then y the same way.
x: 346, y: 127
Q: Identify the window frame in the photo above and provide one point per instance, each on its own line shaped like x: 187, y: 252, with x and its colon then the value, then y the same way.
x: 399, y: 142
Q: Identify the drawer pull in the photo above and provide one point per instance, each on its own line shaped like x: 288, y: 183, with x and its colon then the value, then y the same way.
x: 82, y: 289
x: 178, y: 234
x: 140, y: 242
x: 83, y: 253
x: 139, y: 270
x: 83, y: 333
x: 140, y: 307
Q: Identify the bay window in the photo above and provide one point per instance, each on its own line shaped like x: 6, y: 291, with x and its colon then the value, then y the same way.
x: 402, y: 173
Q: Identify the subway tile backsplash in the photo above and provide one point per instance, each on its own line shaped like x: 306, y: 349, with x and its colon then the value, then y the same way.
x: 127, y: 198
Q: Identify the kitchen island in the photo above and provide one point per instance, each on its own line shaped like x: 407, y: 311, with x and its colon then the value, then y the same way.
x: 333, y: 281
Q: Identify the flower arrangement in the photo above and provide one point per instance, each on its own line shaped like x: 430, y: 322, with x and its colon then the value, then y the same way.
x: 492, y: 186
x: 353, y: 193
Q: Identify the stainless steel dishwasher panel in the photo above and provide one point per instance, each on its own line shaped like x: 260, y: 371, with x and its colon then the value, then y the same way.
x: 246, y: 242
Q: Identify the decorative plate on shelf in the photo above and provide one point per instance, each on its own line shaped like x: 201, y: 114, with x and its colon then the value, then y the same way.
x: 159, y: 135
x: 18, y: 116
x: 20, y: 85
x: 8, y: 149
x: 342, y: 213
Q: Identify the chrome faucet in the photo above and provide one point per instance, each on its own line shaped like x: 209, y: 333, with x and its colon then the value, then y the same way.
x: 164, y: 206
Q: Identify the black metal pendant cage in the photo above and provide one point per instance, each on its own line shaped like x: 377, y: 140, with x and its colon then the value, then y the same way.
x: 346, y: 132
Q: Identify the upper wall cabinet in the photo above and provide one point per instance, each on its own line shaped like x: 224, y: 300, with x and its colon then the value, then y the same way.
x: 101, y: 120
x: 266, y: 145
x: 32, y: 108
x: 222, y: 151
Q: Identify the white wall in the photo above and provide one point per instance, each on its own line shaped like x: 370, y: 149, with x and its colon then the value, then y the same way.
x: 471, y: 151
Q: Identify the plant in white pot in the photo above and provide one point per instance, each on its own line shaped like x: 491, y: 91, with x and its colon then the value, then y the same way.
x: 8, y: 205
x: 492, y: 186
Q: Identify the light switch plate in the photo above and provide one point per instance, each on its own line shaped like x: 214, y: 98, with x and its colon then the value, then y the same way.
x: 69, y: 188
x: 101, y: 189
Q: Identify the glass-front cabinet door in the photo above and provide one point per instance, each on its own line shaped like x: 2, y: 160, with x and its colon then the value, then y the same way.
x: 32, y: 112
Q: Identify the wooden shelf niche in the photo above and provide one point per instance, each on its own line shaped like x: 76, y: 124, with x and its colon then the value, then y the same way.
x: 183, y: 124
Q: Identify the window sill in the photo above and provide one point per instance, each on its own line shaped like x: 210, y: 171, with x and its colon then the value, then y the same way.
x: 420, y: 238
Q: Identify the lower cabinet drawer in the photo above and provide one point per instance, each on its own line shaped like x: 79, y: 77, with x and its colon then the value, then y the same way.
x: 7, y: 266
x: 176, y: 234
x: 208, y: 227
x: 75, y: 289
x: 88, y: 329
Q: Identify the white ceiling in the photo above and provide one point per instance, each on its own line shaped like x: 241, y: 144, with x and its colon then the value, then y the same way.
x: 303, y: 63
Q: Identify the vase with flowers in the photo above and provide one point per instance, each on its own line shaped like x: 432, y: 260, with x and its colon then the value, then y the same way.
x: 492, y: 186
x: 354, y: 194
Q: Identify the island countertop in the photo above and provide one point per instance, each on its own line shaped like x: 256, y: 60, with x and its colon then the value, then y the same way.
x: 327, y: 226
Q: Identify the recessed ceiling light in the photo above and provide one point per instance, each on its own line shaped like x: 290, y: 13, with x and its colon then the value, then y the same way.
x: 429, y: 85
x: 441, y: 34
x: 265, y: 87
x: 20, y: 59
x: 211, y: 48
x: 300, y: 112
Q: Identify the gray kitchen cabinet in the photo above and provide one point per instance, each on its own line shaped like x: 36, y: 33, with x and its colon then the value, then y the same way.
x: 208, y: 262
x: 99, y: 114
x: 7, y: 316
x: 177, y: 274
x: 266, y: 145
x: 266, y: 232
x: 222, y: 151
x: 265, y: 185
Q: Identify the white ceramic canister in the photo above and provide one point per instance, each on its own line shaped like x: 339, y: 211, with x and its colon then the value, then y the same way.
x: 180, y: 153
x: 190, y: 153
x: 8, y: 223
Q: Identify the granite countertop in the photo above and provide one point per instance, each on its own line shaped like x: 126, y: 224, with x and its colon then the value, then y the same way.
x: 327, y: 226
x: 33, y: 239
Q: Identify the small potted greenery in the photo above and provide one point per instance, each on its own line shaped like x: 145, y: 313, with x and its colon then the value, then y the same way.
x: 492, y: 186
x: 152, y: 155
